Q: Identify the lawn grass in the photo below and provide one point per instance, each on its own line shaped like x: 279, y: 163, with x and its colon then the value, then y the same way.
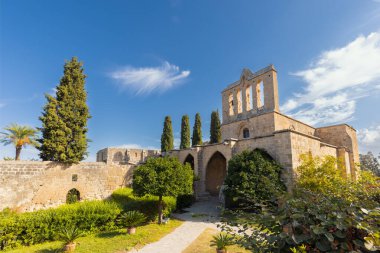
x: 108, y: 242
x: 202, y: 244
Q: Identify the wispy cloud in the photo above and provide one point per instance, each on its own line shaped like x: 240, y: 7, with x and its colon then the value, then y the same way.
x: 336, y: 80
x: 148, y: 79
x: 369, y: 139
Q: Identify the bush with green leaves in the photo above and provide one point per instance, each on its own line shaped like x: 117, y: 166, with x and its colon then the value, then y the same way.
x: 221, y: 241
x: 184, y: 201
x: 132, y: 219
x: 69, y: 234
x: 148, y: 204
x: 163, y: 176
x: 253, y: 178
x: 326, y: 212
x: 39, y: 226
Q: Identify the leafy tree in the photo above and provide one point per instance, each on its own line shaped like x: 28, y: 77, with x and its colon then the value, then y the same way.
x: 215, y: 133
x: 162, y: 176
x: 64, y: 119
x: 167, y: 139
x: 253, y: 178
x: 185, y: 132
x: 197, y: 131
x: 19, y: 136
x: 370, y: 163
x: 326, y: 212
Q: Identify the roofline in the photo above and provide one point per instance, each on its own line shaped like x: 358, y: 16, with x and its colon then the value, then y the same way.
x: 254, y: 75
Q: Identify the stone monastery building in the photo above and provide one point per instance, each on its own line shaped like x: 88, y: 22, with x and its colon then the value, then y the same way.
x: 252, y: 119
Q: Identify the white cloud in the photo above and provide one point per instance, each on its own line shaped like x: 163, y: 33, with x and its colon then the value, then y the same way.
x: 369, y: 139
x: 148, y: 79
x: 336, y: 81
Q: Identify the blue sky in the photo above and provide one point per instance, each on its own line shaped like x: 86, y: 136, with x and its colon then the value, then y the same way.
x: 148, y: 59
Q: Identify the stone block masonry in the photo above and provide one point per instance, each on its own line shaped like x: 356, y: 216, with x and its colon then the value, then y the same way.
x: 33, y: 185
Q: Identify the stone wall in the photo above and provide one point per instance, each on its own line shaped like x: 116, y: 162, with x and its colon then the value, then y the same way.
x: 28, y: 186
x: 125, y: 155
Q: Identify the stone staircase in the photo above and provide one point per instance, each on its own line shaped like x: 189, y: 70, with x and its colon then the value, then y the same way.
x: 203, y: 196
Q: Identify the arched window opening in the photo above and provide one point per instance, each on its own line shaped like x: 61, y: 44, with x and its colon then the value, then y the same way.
x: 231, y: 104
x: 239, y: 101
x: 260, y: 94
x: 72, y: 196
x: 190, y: 160
x: 246, y: 133
x: 118, y: 157
x: 248, y: 98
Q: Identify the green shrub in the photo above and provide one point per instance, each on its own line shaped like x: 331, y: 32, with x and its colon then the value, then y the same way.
x: 184, y: 201
x: 132, y: 219
x: 147, y: 204
x: 326, y: 212
x: 253, y: 178
x: 36, y: 227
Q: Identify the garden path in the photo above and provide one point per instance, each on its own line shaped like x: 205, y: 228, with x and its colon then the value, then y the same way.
x: 201, y: 215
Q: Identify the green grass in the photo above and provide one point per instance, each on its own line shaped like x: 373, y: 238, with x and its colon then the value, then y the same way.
x: 202, y: 244
x: 108, y: 242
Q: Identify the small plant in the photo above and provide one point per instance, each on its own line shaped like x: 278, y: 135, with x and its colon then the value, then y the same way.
x: 131, y: 220
x: 68, y: 236
x: 221, y: 241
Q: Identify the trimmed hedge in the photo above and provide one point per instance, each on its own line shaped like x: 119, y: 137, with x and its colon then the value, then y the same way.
x: 89, y: 217
x: 148, y: 204
x: 43, y: 225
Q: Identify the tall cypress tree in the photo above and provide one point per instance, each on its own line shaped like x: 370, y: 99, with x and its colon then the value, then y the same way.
x: 64, y: 119
x: 185, y: 132
x: 197, y: 131
x: 215, y: 134
x: 167, y: 139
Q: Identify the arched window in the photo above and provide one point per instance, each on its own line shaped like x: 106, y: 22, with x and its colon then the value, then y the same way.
x: 246, y: 133
x: 231, y: 104
x: 72, y: 196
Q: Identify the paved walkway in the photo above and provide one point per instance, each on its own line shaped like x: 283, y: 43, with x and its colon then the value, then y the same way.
x: 201, y: 215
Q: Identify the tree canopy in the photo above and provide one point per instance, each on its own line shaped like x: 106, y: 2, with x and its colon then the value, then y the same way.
x: 167, y: 139
x: 370, y: 163
x: 197, y: 131
x: 185, y: 132
x: 163, y: 176
x: 215, y: 133
x: 253, y: 178
x: 64, y: 118
x: 19, y: 136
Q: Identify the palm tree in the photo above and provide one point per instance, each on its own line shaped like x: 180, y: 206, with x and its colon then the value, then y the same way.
x: 20, y: 136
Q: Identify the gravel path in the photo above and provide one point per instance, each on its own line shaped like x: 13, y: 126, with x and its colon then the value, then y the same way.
x: 198, y: 217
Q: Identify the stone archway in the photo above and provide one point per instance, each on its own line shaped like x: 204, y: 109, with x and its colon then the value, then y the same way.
x: 72, y: 196
x: 190, y: 160
x: 216, y: 172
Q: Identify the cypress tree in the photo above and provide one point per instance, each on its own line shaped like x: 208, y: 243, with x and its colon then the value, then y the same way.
x: 64, y: 119
x: 215, y: 134
x: 197, y: 131
x: 167, y: 138
x: 185, y: 132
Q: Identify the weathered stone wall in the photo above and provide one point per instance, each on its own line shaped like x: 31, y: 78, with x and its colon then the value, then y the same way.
x: 342, y: 136
x: 28, y: 186
x: 125, y: 155
x: 260, y: 125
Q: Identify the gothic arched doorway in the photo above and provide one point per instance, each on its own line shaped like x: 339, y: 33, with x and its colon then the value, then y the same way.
x: 216, y: 171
